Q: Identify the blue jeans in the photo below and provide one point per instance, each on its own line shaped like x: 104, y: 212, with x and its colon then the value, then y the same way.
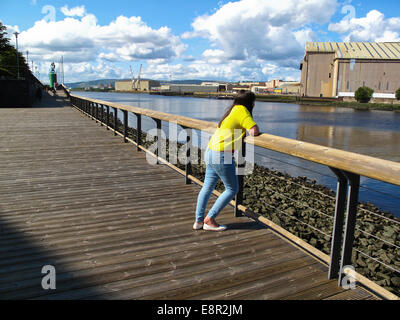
x: 219, y: 165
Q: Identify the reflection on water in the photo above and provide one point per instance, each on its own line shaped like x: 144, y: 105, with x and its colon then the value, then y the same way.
x: 380, y: 144
x: 373, y: 133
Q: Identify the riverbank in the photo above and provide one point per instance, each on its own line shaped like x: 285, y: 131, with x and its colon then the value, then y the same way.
x: 306, y: 209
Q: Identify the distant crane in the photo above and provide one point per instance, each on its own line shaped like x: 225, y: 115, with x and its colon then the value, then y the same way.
x: 137, y: 86
x: 133, y: 78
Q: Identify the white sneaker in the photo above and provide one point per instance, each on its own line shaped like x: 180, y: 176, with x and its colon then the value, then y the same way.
x: 198, y: 225
x: 210, y: 228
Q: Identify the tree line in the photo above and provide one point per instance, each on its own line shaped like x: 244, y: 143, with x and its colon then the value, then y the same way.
x: 8, y: 58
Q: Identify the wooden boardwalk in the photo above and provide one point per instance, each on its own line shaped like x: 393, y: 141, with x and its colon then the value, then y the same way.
x: 76, y: 197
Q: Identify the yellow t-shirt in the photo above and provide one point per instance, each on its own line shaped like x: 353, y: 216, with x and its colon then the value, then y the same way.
x: 228, y: 136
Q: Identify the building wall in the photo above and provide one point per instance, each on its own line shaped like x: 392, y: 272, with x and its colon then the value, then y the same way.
x: 273, y: 83
x: 189, y: 88
x: 322, y: 75
x: 291, y: 88
x: 317, y: 75
x: 381, y: 76
x: 123, y: 85
x: 146, y: 85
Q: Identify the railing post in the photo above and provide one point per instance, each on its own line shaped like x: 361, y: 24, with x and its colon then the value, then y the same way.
x: 97, y: 111
x: 108, y: 116
x: 157, y: 153
x: 115, y: 120
x: 240, y: 167
x: 102, y: 115
x: 337, y: 232
x: 139, y: 130
x: 125, y: 125
x: 351, y: 217
x: 91, y: 104
x: 188, y: 165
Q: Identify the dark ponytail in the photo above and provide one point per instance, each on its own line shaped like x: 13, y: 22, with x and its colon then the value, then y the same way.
x: 244, y: 98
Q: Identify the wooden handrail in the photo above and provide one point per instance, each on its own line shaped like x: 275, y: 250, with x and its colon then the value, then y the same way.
x: 375, y: 168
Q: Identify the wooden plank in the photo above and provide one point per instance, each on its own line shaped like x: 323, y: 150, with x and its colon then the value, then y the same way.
x: 319, y: 292
x: 355, y: 294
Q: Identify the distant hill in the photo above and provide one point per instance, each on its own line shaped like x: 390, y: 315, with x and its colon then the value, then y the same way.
x: 103, y: 82
x: 86, y: 84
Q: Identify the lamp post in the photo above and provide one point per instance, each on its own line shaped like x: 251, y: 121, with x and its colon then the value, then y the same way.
x: 16, y: 41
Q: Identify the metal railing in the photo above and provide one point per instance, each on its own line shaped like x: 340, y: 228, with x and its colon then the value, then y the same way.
x: 346, y: 166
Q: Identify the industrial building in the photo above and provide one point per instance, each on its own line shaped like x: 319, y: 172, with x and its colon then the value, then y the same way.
x: 142, y: 85
x: 332, y: 69
x: 190, y: 88
x: 278, y: 86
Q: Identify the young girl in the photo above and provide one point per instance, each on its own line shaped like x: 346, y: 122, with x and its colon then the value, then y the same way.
x: 219, y: 159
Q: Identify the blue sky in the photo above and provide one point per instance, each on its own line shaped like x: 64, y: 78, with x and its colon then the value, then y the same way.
x: 177, y: 39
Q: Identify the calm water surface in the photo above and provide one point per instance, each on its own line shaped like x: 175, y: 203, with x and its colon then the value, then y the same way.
x: 373, y: 133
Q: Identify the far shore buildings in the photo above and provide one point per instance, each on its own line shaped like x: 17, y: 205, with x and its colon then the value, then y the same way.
x: 338, y: 69
x: 270, y: 87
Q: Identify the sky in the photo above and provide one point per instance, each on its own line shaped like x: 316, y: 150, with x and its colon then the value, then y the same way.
x: 246, y: 40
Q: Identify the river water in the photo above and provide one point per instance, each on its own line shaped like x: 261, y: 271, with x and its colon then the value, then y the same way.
x: 373, y: 133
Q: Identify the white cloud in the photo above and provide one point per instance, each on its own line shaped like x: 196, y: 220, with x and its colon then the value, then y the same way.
x: 373, y: 27
x: 227, y: 71
x: 74, y: 12
x: 249, y: 39
x: 273, y: 31
x: 84, y: 40
x: 10, y: 32
x: 112, y: 57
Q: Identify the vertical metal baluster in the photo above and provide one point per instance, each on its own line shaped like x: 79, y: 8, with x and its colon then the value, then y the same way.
x: 241, y: 165
x: 158, y: 150
x: 337, y: 232
x: 351, y: 217
x: 102, y: 114
x: 188, y: 165
x: 108, y: 117
x: 139, y: 130
x: 115, y: 120
x: 125, y: 125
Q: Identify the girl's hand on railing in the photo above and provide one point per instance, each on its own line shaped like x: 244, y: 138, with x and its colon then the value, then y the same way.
x: 254, y: 131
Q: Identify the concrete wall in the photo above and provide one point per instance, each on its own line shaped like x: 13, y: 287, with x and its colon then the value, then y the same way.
x: 317, y: 75
x: 381, y: 75
x: 189, y: 88
x: 291, y: 88
x: 322, y: 75
x: 18, y: 93
x: 123, y: 85
x: 144, y: 85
